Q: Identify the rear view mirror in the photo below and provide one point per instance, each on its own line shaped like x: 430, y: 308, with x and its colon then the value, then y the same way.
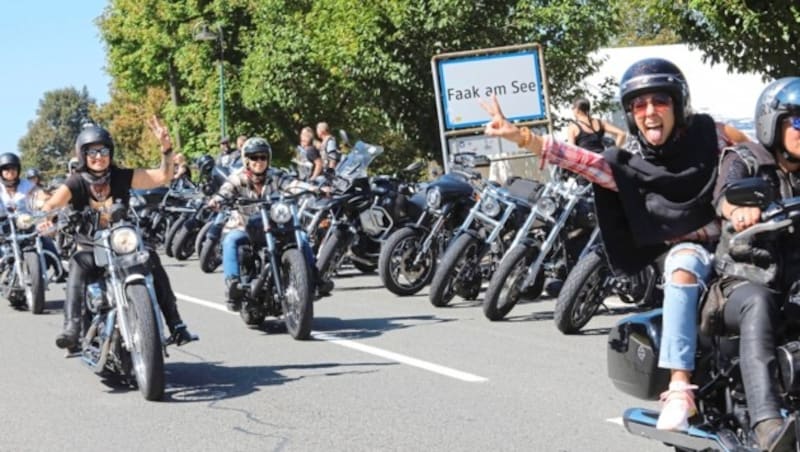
x: 750, y: 192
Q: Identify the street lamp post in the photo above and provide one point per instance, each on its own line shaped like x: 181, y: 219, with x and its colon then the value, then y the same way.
x: 206, y: 35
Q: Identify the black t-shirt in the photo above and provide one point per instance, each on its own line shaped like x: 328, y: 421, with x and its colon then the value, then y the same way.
x: 80, y: 189
x: 312, y: 153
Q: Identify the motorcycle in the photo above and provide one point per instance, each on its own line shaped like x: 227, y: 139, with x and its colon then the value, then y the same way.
x: 409, y: 255
x: 186, y: 238
x: 121, y: 327
x: 275, y: 274
x: 722, y: 422
x: 547, y: 244
x: 482, y: 240
x: 363, y: 213
x: 23, y: 261
x: 591, y: 281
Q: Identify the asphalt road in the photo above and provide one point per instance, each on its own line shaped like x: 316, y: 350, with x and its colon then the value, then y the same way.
x: 382, y: 373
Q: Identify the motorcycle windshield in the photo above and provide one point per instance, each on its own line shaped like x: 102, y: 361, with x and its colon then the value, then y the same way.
x: 355, y: 163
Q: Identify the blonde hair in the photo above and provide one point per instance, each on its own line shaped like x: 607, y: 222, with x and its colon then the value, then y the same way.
x: 306, y: 135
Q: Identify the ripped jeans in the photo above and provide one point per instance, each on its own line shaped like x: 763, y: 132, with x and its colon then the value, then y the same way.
x: 679, y: 314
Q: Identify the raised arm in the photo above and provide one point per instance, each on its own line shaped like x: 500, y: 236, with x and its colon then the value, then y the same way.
x: 619, y: 134
x: 151, y: 178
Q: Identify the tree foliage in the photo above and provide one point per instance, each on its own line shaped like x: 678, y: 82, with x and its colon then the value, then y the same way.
x: 50, y: 140
x: 361, y: 65
x: 759, y: 36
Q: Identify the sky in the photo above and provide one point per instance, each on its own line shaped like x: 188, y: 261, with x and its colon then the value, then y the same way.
x: 47, y: 45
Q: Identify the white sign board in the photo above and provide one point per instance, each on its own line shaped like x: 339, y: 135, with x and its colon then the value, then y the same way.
x: 515, y: 78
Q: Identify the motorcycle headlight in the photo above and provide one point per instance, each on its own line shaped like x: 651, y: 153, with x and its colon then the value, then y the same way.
x: 434, y: 198
x: 490, y: 206
x: 124, y: 240
x: 280, y: 213
x: 25, y: 221
x: 547, y: 206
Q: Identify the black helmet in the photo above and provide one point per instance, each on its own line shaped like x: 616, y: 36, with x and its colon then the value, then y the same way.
x: 256, y: 145
x: 10, y: 159
x: 655, y: 74
x: 779, y: 99
x: 92, y: 134
x: 32, y: 172
x: 205, y: 163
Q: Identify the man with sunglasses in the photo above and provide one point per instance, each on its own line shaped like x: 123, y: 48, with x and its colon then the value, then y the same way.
x: 752, y: 310
x: 652, y: 199
x: 256, y: 181
x: 97, y: 183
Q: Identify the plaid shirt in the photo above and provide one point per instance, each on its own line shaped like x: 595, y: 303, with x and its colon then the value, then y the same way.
x: 595, y: 169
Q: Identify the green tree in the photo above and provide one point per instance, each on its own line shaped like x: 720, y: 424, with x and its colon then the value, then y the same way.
x: 644, y: 23
x: 50, y: 139
x: 362, y: 65
x: 749, y: 35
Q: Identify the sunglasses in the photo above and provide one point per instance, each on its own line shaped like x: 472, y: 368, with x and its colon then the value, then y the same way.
x: 259, y: 157
x: 660, y: 103
x: 102, y: 152
x: 794, y: 121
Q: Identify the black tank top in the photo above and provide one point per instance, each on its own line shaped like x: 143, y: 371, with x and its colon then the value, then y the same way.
x: 592, y: 141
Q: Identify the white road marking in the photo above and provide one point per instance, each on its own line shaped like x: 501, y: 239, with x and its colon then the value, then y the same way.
x: 386, y: 354
x: 615, y: 420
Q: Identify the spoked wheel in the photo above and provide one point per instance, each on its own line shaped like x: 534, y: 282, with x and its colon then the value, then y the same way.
x: 585, y: 289
x: 403, y: 270
x: 146, y: 353
x: 505, y: 287
x: 297, y: 303
x: 458, y: 269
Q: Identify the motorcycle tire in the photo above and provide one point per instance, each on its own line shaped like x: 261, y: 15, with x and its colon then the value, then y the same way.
x: 146, y: 352
x: 169, y: 237
x: 298, y: 302
x: 330, y: 256
x: 364, y: 268
x: 36, y: 276
x: 403, y: 246
x: 201, y: 237
x: 504, y: 291
x: 210, y: 256
x: 461, y: 249
x: 582, y: 294
x: 183, y: 242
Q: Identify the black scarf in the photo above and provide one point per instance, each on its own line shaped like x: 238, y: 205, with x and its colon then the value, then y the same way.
x: 664, y: 193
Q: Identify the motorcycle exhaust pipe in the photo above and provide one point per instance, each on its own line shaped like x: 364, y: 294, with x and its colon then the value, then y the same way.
x: 642, y: 422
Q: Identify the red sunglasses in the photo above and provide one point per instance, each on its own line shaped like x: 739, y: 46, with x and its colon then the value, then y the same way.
x: 660, y: 103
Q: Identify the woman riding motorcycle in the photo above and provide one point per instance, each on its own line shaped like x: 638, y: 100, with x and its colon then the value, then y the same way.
x: 97, y: 183
x: 256, y: 181
x: 655, y: 200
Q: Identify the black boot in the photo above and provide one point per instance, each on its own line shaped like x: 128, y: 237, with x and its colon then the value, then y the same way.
x: 233, y: 294
x: 776, y: 435
x: 181, y: 335
x: 69, y: 337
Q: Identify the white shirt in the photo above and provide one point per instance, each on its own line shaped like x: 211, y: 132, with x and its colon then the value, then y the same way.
x: 19, y: 198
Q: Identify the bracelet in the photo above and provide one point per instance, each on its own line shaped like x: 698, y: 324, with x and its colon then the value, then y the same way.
x: 526, y: 137
x: 166, y: 151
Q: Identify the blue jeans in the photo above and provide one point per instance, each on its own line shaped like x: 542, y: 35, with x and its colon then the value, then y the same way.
x: 679, y: 321
x: 230, y: 252
x: 232, y: 241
